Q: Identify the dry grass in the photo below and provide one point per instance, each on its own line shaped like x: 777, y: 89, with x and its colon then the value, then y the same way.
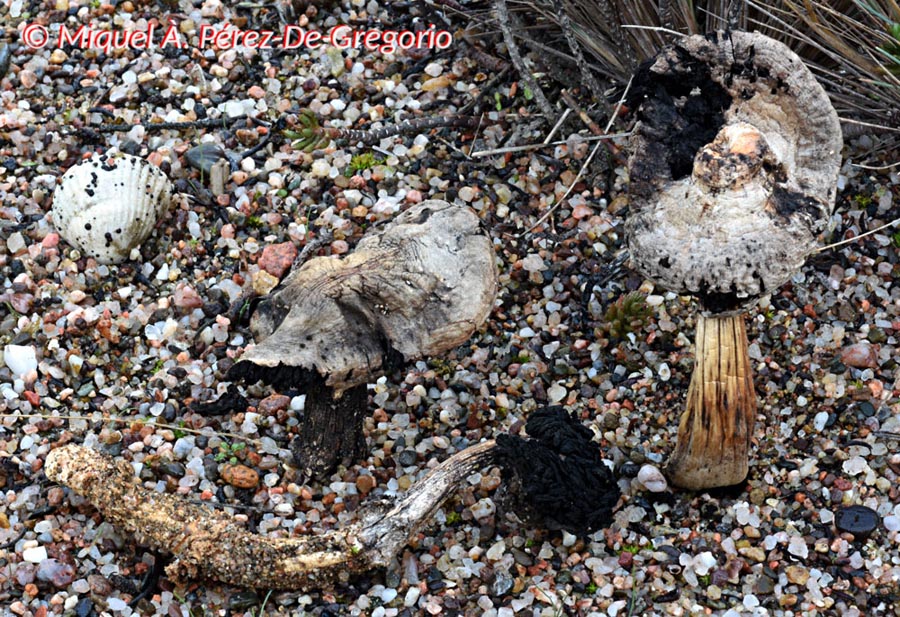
x: 853, y: 46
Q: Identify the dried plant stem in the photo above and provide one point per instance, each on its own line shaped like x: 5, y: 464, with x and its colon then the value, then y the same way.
x: 211, y: 544
x: 413, y: 126
x: 587, y: 75
x: 715, y: 429
x: 505, y: 21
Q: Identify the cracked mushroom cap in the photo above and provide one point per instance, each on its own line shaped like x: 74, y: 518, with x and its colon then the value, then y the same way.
x: 420, y: 286
x: 734, y: 167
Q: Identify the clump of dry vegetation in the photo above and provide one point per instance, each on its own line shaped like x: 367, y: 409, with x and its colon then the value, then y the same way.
x: 852, y: 46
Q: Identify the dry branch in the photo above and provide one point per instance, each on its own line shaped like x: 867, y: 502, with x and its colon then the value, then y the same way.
x: 210, y: 544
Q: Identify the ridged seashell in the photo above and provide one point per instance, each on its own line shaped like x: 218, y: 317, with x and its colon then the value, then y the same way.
x: 108, y: 204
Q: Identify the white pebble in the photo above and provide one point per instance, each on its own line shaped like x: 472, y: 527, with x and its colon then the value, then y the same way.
x: 652, y: 479
x: 20, y: 359
x: 35, y: 554
x: 820, y: 420
x: 412, y: 596
x: 854, y: 465
x: 496, y: 551
x: 665, y: 373
x: 556, y: 393
x: 797, y: 546
x: 434, y: 69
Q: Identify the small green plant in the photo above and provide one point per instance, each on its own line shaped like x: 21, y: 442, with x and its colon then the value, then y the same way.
x: 254, y: 221
x: 704, y: 579
x: 862, y: 201
x: 228, y: 452
x: 157, y: 366
x: 309, y: 135
x: 361, y: 162
x: 629, y: 313
x: 453, y: 518
x: 895, y: 240
x: 193, y: 243
x: 591, y: 588
x: 179, y: 433
x: 634, y: 549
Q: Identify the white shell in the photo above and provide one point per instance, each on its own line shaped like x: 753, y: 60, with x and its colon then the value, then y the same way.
x: 108, y: 204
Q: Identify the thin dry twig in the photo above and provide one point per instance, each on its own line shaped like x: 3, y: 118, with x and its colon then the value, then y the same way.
x: 506, y: 24
x: 584, y: 167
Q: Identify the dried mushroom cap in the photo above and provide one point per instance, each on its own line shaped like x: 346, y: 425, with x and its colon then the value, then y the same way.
x: 734, y: 167
x: 418, y: 287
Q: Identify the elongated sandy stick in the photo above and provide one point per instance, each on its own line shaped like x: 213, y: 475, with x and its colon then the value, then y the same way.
x: 210, y: 544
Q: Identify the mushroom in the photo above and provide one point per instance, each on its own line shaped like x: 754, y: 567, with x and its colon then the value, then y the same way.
x: 416, y: 288
x: 733, y: 174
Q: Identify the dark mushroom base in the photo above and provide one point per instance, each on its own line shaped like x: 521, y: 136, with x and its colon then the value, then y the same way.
x: 331, y: 431
x: 715, y: 429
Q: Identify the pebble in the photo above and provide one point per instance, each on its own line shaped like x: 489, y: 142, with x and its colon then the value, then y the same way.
x: 861, y: 521
x: 35, y: 554
x: 263, y: 282
x: 21, y: 359
x: 240, y: 476
x: 652, y: 479
x: 276, y: 259
x: 860, y: 355
x: 797, y: 575
x: 55, y: 572
x: 273, y: 404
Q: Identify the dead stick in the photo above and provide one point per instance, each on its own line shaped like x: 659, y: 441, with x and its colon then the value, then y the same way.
x: 504, y: 19
x: 211, y: 544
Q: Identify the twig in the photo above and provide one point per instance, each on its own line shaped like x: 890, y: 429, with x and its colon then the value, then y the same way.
x: 148, y: 421
x: 556, y: 126
x: 504, y: 19
x: 571, y: 102
x: 586, y: 163
x: 870, y: 124
x: 874, y: 168
x: 165, y: 126
x: 862, y: 235
x: 197, y: 534
x: 654, y: 29
x: 528, y: 147
x: 587, y: 75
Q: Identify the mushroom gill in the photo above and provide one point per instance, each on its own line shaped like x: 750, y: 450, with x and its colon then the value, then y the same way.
x: 733, y: 175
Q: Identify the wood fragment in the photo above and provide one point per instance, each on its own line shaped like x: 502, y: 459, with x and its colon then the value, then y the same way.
x: 211, y: 544
x: 506, y: 26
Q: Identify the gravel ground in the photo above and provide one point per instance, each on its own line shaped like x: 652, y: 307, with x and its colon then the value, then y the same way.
x: 113, y: 356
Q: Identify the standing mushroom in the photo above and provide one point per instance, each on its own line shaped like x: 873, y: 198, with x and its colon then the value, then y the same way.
x: 733, y: 173
x: 417, y: 288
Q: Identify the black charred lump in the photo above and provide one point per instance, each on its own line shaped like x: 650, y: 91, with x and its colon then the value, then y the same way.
x: 560, y: 471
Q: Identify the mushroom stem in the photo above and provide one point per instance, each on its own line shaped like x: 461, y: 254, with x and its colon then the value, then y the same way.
x: 211, y: 544
x: 715, y: 429
x: 331, y: 428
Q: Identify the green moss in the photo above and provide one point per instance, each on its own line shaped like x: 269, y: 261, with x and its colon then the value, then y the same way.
x: 361, y: 162
x: 630, y: 313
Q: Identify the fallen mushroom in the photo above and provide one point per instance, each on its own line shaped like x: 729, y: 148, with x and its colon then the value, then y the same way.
x: 733, y: 174
x: 560, y: 471
x: 414, y: 289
